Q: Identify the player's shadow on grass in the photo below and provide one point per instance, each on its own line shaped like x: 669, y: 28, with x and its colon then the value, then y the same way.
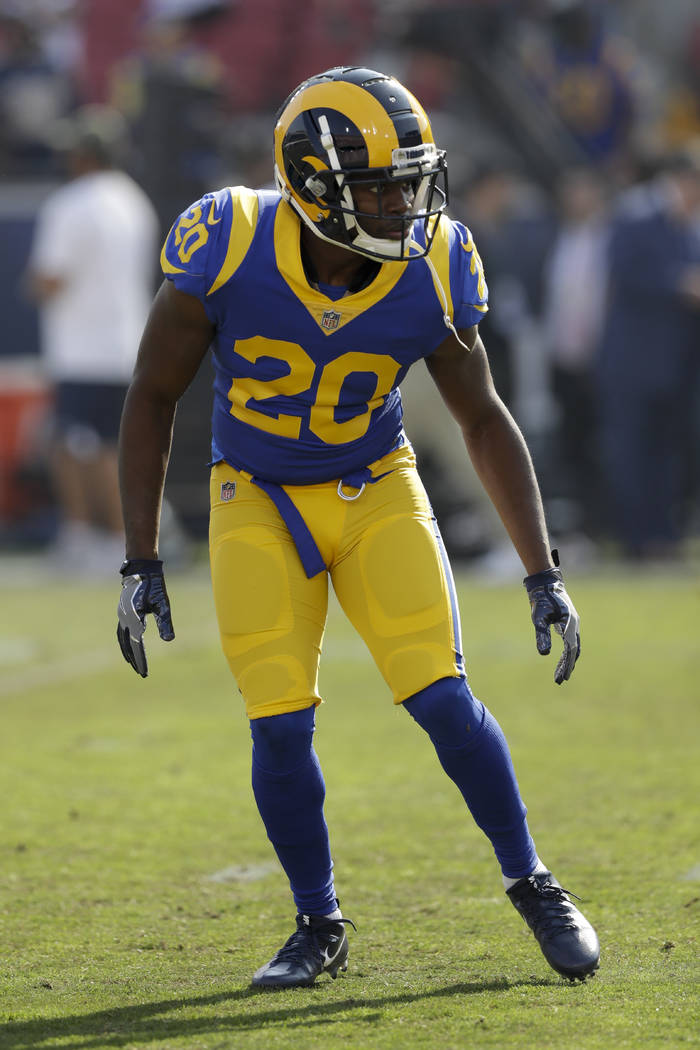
x: 143, y: 1023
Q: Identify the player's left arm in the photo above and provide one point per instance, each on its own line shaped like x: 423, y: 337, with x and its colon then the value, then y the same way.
x: 502, y: 460
x: 495, y: 444
x: 58, y: 241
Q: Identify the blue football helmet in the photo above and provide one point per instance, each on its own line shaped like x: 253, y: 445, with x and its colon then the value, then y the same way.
x: 353, y: 125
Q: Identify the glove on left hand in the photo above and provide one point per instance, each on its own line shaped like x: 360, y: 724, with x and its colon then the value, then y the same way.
x: 143, y: 591
x: 551, y: 606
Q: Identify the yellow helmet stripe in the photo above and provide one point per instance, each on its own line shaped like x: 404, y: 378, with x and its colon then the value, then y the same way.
x: 363, y: 109
x: 421, y: 116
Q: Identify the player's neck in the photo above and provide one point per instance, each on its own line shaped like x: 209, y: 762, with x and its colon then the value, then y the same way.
x: 332, y: 264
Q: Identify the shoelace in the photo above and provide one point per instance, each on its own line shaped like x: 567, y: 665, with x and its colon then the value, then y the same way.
x: 557, y: 918
x: 297, y: 945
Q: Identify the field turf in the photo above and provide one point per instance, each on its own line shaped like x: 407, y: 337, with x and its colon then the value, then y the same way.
x: 138, y: 892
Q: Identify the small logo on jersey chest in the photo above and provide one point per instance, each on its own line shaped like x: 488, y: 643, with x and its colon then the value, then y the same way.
x: 330, y: 320
x: 228, y: 490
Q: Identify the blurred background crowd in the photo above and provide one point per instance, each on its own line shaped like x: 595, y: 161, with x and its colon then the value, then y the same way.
x: 572, y: 129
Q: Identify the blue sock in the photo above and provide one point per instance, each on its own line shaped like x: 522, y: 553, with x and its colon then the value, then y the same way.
x: 473, y: 752
x: 289, y: 791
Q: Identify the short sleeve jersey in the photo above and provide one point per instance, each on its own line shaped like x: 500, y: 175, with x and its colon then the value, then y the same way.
x: 306, y: 387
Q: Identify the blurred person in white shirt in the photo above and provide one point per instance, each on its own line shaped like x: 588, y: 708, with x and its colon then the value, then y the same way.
x: 91, y: 271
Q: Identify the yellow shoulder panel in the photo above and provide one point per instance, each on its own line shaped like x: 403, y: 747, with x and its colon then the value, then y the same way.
x: 243, y: 223
x: 440, y: 270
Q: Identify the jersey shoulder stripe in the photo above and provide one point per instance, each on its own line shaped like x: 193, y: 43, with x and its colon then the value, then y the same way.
x: 208, y: 242
x: 440, y: 268
x: 245, y: 206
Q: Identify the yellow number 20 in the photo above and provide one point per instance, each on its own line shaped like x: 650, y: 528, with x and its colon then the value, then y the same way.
x: 246, y: 392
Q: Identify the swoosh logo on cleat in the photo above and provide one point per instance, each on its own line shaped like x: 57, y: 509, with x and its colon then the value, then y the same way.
x: 328, y: 960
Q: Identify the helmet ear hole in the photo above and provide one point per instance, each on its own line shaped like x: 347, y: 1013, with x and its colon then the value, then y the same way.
x: 315, y: 185
x: 310, y: 183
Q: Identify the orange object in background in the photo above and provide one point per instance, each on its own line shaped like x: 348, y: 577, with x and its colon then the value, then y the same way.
x: 25, y: 402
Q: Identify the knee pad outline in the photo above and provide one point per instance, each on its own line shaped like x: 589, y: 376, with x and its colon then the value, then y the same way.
x: 448, y: 711
x: 282, y: 743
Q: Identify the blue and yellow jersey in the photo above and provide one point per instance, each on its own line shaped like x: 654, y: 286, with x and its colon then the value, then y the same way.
x: 306, y: 387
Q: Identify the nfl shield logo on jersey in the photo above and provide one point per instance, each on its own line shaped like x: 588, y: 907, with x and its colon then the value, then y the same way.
x: 330, y: 320
x: 228, y: 490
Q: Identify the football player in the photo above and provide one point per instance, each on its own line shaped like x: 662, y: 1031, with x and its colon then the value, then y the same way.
x: 316, y: 299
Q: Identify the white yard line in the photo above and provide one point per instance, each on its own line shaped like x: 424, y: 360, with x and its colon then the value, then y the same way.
x: 17, y: 651
x: 244, y: 872
x: 27, y: 674
x: 81, y: 663
x: 76, y: 666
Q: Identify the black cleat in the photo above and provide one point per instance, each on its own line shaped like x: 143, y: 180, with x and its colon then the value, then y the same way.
x: 317, y: 945
x: 568, y: 941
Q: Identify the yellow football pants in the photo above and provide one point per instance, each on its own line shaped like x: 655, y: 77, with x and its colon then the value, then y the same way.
x: 387, y: 565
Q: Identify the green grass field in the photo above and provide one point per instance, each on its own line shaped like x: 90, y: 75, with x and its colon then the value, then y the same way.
x: 139, y: 893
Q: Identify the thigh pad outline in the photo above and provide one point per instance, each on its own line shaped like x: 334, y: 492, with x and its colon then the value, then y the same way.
x: 271, y: 616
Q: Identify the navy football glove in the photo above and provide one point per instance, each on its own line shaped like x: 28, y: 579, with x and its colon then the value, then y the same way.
x: 143, y: 591
x: 551, y: 606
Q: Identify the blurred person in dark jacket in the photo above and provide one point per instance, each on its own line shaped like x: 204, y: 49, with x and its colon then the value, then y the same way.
x: 170, y: 90
x: 513, y: 226
x: 650, y: 361
x: 574, y: 298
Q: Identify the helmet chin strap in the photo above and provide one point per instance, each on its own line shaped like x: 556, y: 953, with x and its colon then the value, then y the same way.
x: 393, y: 249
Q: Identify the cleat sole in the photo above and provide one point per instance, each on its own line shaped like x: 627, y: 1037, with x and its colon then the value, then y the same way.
x: 580, y: 978
x: 306, y: 955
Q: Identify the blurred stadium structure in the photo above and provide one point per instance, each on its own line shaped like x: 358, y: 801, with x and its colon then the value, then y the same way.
x: 521, y: 93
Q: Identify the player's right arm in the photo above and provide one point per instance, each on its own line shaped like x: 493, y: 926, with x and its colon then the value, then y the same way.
x: 177, y: 335
x: 175, y: 340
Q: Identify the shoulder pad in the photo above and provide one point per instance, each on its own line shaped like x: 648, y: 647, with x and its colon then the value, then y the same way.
x: 208, y: 242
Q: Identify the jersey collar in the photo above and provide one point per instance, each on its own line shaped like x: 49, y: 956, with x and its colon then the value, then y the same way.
x: 287, y: 237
